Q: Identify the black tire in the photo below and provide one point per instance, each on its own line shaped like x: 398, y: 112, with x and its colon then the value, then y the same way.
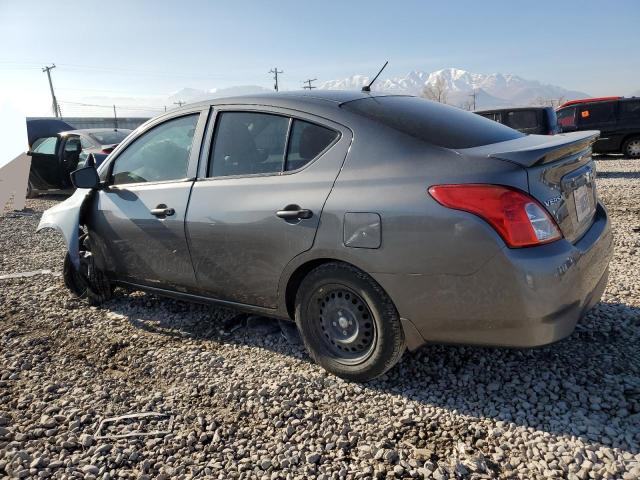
x: 91, y: 284
x: 31, y: 193
x: 73, y: 280
x: 373, y: 339
x: 631, y: 147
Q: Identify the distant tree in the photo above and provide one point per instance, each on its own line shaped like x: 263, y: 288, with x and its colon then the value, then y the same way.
x: 467, y: 105
x: 438, y: 91
x: 547, y: 102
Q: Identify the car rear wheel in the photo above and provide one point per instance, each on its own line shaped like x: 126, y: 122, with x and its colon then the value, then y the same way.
x: 632, y: 147
x: 348, y: 323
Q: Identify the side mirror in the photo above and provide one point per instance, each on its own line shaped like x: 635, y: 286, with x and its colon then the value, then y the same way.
x: 29, y: 153
x: 86, y: 177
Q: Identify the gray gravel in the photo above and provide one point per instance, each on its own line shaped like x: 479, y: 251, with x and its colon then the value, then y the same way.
x: 240, y: 401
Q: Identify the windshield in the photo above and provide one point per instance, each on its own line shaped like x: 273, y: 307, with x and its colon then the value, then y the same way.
x: 110, y: 137
x: 432, y: 122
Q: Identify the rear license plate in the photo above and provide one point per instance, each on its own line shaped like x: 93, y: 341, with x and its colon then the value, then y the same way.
x: 583, y: 198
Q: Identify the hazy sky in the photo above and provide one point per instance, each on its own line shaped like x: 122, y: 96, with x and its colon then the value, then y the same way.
x: 152, y: 48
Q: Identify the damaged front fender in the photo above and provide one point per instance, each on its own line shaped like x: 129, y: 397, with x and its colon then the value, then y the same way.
x: 65, y: 217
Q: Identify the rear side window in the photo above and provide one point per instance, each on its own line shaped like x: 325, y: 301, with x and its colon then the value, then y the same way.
x: 490, y: 116
x: 247, y: 143
x: 432, y: 122
x: 521, y: 119
x: 597, y: 113
x: 630, y: 109
x: 567, y: 117
x: 306, y: 142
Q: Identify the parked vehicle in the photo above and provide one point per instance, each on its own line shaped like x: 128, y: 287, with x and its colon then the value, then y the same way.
x: 617, y: 118
x: 56, y: 155
x: 530, y: 120
x: 374, y: 221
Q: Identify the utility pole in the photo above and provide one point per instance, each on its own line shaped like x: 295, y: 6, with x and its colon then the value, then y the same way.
x: 179, y: 103
x: 115, y: 118
x: 275, y: 72
x: 308, y: 82
x: 56, y: 110
x: 473, y: 96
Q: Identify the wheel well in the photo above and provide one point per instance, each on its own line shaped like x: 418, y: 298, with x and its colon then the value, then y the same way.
x: 296, y: 279
x: 627, y: 138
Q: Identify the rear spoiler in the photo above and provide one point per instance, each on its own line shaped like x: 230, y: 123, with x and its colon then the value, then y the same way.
x: 537, y: 149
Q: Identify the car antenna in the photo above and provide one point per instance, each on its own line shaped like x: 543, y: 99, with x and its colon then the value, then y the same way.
x: 367, y: 88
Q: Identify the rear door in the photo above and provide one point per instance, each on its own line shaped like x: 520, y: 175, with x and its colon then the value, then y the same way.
x: 601, y: 116
x: 629, y: 118
x: 137, y: 225
x: 257, y: 203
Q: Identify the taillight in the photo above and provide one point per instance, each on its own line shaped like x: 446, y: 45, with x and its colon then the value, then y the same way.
x: 107, y: 150
x: 519, y: 219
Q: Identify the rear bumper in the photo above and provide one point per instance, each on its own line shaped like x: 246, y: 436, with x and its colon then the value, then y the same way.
x: 520, y: 298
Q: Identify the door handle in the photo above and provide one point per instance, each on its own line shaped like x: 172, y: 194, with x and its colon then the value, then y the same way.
x: 162, y: 211
x: 301, y: 213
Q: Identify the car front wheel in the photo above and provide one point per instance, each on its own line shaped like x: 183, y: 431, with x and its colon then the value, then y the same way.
x: 349, y: 325
x: 632, y: 148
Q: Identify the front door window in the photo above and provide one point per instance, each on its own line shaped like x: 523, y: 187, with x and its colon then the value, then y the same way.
x: 159, y: 155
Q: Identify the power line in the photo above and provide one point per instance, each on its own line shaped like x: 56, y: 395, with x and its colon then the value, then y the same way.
x: 179, y: 103
x: 141, y: 108
x: 275, y: 72
x: 56, y: 110
x: 308, y: 82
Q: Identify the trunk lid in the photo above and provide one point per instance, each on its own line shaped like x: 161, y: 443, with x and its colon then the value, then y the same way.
x: 560, y: 174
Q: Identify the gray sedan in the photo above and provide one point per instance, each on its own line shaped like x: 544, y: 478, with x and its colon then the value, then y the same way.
x: 375, y: 222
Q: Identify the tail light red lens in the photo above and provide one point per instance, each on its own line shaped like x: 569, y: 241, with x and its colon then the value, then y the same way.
x: 107, y: 150
x: 518, y: 218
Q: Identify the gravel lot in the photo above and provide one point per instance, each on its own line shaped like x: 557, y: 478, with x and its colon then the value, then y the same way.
x: 240, y: 401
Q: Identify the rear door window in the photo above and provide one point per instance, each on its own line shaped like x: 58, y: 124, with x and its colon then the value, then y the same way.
x: 306, y: 142
x: 596, y: 113
x: 630, y: 110
x: 567, y: 117
x: 432, y: 122
x: 521, y: 119
x: 248, y: 143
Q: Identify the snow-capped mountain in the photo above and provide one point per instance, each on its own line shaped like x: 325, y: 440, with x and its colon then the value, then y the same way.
x: 491, y: 90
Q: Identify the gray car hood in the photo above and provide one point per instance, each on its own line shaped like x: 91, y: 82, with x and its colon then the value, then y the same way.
x: 65, y: 217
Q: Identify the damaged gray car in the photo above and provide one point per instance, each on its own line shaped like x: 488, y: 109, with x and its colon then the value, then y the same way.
x: 375, y: 222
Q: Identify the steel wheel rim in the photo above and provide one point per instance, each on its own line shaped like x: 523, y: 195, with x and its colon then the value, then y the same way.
x: 343, y: 323
x: 634, y: 147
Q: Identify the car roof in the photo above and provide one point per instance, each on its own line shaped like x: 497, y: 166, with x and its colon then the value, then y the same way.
x: 511, y: 109
x: 86, y: 131
x: 285, y: 99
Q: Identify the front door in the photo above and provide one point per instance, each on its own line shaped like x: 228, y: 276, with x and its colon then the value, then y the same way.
x: 45, y: 164
x: 258, y: 200
x: 137, y: 226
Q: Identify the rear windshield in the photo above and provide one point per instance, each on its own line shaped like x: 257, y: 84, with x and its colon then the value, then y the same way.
x: 109, y: 138
x: 432, y: 122
x: 522, y: 119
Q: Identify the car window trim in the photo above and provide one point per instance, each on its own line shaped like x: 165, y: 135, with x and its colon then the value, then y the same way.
x: 126, y: 186
x: 208, y: 144
x: 156, y: 122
